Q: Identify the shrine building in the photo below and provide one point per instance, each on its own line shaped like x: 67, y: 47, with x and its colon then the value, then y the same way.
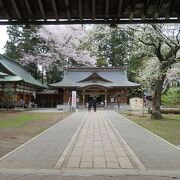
x: 107, y: 84
x: 15, y: 78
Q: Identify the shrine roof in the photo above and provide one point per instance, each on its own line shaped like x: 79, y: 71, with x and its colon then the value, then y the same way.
x: 16, y: 72
x: 107, y: 77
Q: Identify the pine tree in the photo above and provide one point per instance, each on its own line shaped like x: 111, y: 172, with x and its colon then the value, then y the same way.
x: 22, y: 40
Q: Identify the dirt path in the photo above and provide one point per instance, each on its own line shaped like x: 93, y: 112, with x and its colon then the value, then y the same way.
x: 11, y: 138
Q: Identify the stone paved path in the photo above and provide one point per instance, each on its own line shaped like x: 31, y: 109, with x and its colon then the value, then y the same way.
x: 98, y: 146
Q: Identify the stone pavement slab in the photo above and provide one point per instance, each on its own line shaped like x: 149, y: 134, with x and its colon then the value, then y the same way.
x: 98, y: 146
x: 153, y: 152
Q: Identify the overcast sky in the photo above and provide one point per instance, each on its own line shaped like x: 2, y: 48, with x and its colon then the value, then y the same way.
x: 3, y: 38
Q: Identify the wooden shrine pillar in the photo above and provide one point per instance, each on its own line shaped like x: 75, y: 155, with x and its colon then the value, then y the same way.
x: 83, y: 98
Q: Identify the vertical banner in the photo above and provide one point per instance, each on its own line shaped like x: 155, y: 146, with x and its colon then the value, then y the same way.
x: 73, y: 100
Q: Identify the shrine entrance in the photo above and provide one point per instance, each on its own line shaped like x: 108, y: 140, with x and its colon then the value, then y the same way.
x: 100, y: 99
x: 95, y: 91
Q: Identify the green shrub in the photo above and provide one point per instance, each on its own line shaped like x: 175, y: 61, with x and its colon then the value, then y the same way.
x: 8, y: 98
x: 171, y: 97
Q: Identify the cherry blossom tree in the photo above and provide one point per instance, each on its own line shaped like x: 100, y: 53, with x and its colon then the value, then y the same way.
x: 58, y: 48
x: 59, y: 43
x: 172, y: 74
x: 164, y: 42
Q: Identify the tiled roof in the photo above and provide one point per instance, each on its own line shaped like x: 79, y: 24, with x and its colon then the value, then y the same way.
x: 17, y: 72
x: 3, y: 74
x: 110, y: 77
x: 11, y: 79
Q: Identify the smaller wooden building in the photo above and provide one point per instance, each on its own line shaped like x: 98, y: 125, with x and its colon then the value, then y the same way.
x: 15, y: 78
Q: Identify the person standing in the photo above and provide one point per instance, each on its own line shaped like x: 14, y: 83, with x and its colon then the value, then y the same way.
x: 94, y: 102
x: 118, y: 102
x: 89, y: 105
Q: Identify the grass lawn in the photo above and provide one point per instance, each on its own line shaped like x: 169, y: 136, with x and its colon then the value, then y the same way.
x: 21, y: 119
x: 168, y: 128
x: 17, y: 128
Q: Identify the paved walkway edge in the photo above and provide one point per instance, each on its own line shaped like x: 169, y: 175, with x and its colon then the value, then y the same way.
x: 21, y: 146
x: 92, y: 172
x: 69, y: 146
x: 129, y: 150
x: 148, y: 131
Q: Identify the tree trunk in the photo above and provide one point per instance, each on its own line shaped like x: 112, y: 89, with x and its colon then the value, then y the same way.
x: 156, y: 114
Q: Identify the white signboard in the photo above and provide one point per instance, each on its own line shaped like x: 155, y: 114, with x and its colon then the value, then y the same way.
x: 73, y: 99
x: 112, y: 100
x: 136, y: 103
